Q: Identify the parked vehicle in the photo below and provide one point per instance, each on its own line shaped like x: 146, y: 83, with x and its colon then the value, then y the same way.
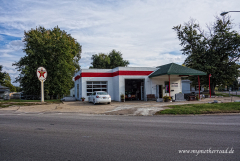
x: 99, y: 97
x: 30, y: 97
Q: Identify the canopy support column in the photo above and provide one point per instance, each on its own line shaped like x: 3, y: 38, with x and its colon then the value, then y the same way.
x: 169, y: 86
x: 198, y: 87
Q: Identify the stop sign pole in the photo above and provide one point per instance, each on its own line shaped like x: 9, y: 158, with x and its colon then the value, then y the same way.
x: 42, y: 75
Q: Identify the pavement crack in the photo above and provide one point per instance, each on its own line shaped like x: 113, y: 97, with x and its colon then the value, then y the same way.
x: 18, y: 108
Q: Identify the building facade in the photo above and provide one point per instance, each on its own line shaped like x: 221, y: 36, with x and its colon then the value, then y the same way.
x: 113, y: 81
x: 136, y: 83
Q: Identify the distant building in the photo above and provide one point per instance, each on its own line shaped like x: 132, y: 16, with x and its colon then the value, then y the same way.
x: 15, y: 95
x: 72, y: 92
x: 3, y: 90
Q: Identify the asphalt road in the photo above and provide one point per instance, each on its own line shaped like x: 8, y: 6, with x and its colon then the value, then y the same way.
x: 98, y: 137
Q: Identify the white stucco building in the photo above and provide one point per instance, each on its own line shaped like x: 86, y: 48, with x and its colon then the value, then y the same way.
x: 72, y: 92
x: 134, y: 82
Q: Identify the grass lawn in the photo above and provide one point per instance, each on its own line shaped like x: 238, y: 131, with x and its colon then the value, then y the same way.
x: 19, y: 100
x: 7, y: 103
x: 232, y: 107
x: 225, y: 94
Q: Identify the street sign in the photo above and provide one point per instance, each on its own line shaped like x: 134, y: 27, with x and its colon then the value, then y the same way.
x: 42, y: 74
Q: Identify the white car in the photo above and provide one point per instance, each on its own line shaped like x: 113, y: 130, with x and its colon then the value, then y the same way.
x: 99, y: 97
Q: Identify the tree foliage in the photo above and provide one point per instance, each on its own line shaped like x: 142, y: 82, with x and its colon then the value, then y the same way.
x: 53, y: 49
x: 214, y: 52
x: 108, y: 61
x: 2, y: 75
x: 7, y: 83
x: 5, y: 80
x: 18, y: 89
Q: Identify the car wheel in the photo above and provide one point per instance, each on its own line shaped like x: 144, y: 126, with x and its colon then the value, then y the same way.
x: 109, y: 102
x: 94, y: 101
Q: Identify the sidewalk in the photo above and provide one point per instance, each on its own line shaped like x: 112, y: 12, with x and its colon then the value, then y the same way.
x: 115, y: 108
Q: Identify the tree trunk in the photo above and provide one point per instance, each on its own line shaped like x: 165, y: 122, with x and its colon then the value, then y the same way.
x: 213, y: 89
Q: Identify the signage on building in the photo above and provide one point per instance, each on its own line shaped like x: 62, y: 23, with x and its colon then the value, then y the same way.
x: 174, y: 85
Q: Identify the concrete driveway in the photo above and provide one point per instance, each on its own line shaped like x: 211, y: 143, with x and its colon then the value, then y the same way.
x: 115, y: 108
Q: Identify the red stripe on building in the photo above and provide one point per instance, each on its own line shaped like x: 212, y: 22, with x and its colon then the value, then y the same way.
x: 117, y: 73
x: 97, y: 74
x: 78, y: 77
x: 134, y: 72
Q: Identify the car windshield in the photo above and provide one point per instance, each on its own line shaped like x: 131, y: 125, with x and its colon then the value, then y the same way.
x: 102, y: 93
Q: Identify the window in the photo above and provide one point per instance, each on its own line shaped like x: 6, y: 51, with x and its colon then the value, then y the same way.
x: 166, y: 87
x: 93, y: 86
x: 102, y: 93
x: 77, y: 90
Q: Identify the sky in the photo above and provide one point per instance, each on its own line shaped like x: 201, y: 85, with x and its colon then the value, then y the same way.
x: 140, y: 29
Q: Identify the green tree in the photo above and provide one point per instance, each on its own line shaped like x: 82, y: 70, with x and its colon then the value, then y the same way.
x: 18, y: 89
x: 116, y: 60
x: 108, y: 61
x: 214, y: 52
x: 100, y: 61
x: 7, y: 83
x: 2, y: 75
x: 53, y: 49
x: 5, y: 80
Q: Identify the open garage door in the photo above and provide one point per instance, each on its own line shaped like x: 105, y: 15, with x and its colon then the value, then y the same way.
x: 134, y: 89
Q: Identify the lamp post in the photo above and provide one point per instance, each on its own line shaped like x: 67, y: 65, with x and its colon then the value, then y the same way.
x: 224, y: 13
x: 209, y: 85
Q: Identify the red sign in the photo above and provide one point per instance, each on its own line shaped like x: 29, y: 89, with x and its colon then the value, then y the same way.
x: 42, y: 73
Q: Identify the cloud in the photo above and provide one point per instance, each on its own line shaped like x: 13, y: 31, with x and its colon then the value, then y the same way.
x: 85, y: 61
x: 5, y: 55
x: 140, y: 29
x: 15, y: 45
x: 8, y: 68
